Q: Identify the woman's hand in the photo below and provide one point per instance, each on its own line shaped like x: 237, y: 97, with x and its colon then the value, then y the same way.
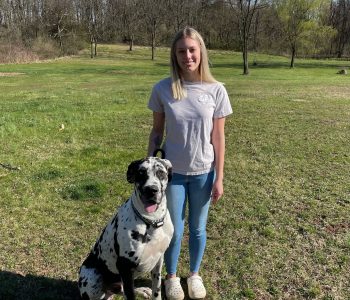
x: 217, y: 191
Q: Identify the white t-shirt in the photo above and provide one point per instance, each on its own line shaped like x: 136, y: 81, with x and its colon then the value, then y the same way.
x: 189, y: 123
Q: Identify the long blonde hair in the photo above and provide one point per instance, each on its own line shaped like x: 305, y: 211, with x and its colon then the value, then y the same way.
x: 204, y: 71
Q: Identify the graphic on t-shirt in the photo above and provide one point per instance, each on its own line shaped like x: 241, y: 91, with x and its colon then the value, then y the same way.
x: 205, y: 99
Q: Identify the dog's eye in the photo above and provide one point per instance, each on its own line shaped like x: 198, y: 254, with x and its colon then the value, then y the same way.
x: 142, y: 172
x: 161, y: 174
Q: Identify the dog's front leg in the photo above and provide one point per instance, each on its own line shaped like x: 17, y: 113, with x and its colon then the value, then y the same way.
x: 157, y: 280
x: 125, y: 268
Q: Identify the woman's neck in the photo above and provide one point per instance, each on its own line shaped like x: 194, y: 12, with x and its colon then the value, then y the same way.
x: 192, y: 77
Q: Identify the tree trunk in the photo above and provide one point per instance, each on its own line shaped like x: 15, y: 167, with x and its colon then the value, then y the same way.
x: 293, y: 57
x: 153, y: 51
x: 131, y: 43
x: 245, y: 52
x: 91, y: 47
x: 154, y: 39
x: 245, y: 62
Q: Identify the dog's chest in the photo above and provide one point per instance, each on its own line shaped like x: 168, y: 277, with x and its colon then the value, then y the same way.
x: 144, y: 245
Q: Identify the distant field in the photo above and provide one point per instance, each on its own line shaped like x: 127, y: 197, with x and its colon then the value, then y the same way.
x: 70, y: 127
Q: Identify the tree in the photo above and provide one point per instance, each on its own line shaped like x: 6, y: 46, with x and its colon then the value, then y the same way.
x: 245, y: 11
x: 93, y: 21
x: 298, y: 19
x: 152, y: 12
x: 130, y: 19
x: 57, y: 17
x: 340, y: 20
x: 181, y: 13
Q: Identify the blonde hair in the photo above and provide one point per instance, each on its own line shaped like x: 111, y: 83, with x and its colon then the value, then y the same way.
x: 204, y: 71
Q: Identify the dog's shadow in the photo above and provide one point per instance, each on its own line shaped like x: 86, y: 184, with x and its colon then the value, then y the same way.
x: 31, y: 287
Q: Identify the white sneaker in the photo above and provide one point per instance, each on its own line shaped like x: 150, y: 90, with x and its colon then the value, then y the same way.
x: 173, y: 289
x: 196, y: 289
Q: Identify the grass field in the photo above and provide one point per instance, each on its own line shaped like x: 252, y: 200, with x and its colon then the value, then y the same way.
x: 282, y: 229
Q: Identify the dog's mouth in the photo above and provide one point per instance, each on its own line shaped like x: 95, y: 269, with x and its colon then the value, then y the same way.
x: 150, y: 206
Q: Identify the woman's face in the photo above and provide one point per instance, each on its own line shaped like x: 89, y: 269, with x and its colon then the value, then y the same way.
x: 188, y: 56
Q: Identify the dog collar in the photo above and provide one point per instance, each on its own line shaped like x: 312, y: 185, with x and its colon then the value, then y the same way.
x: 156, y: 223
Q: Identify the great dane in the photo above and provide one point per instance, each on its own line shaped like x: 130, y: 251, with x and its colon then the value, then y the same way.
x: 135, y: 239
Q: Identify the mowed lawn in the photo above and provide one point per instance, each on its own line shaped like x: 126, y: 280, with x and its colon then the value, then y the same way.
x: 70, y: 127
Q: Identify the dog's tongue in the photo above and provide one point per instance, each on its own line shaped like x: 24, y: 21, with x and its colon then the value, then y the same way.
x: 150, y: 208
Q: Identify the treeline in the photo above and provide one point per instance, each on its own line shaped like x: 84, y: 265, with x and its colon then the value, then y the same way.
x: 317, y: 28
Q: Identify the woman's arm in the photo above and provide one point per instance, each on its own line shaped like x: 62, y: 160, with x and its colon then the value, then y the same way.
x: 157, y: 132
x: 218, y: 141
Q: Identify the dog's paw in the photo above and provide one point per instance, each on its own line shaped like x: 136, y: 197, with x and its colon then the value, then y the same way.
x: 145, y: 292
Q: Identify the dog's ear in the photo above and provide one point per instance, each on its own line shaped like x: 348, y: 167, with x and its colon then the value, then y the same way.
x: 167, y: 164
x: 132, y: 169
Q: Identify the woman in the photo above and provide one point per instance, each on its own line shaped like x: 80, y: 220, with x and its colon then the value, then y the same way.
x: 192, y: 106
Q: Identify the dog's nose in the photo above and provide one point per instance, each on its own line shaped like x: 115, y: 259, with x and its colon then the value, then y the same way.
x: 150, y: 190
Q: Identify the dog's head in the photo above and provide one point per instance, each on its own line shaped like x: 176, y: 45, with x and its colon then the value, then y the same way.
x: 150, y: 176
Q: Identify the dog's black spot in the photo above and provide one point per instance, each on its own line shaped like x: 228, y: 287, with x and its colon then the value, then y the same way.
x: 141, y: 176
x: 159, y: 172
x: 135, y: 235
x: 102, y: 234
x: 131, y: 253
x: 115, y: 220
x: 116, y: 244
x: 100, y: 268
x: 80, y: 282
x: 85, y: 296
x: 125, y: 265
x: 144, y: 238
x: 132, y: 170
x: 156, y: 294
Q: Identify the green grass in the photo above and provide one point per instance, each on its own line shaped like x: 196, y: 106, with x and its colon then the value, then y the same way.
x: 282, y: 229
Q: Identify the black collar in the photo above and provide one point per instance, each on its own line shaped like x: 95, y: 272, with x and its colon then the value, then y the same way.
x: 155, y: 223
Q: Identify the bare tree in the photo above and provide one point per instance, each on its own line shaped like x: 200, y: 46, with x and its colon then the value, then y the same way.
x: 152, y: 12
x: 92, y: 16
x: 180, y: 13
x: 340, y: 20
x: 245, y: 11
x: 130, y: 16
x: 57, y: 19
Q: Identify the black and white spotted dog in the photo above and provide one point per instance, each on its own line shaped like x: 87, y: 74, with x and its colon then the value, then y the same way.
x: 135, y: 239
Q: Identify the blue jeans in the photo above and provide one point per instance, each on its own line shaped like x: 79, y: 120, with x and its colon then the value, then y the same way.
x: 196, y: 190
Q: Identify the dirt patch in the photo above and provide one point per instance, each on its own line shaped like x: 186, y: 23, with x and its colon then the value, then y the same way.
x: 2, y: 74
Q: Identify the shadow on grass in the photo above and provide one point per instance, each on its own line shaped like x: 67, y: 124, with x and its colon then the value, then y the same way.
x: 31, y: 287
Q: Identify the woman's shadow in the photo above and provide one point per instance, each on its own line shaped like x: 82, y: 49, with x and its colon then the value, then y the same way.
x: 30, y: 287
